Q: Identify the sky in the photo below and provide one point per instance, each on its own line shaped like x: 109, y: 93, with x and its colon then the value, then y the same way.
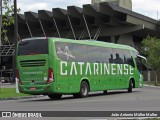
x: 148, y: 8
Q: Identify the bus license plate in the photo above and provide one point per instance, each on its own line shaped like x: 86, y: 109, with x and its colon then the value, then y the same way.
x: 32, y: 88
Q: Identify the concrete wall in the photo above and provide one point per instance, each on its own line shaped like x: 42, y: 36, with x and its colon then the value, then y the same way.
x: 126, y: 39
x: 150, y: 76
x: 126, y: 4
x: 122, y: 3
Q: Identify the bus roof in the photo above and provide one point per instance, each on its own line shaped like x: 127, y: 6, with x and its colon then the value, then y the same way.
x: 86, y: 42
x: 95, y: 43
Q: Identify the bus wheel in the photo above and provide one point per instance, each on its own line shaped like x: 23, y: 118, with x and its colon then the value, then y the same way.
x: 84, y: 90
x: 130, y: 86
x: 105, y: 92
x: 55, y: 96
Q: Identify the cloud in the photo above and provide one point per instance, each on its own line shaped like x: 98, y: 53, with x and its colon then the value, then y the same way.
x: 145, y: 7
x: 35, y: 5
x: 152, y: 5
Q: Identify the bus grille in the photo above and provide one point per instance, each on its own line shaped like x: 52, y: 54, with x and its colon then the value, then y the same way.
x: 32, y: 63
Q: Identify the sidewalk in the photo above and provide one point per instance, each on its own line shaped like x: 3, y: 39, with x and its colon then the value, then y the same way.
x: 151, y: 86
x: 8, y: 85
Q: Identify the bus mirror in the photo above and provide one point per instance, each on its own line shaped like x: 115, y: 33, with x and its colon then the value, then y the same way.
x: 143, y: 62
x: 142, y: 58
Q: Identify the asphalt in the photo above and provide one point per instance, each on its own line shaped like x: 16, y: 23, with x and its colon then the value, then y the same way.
x: 13, y: 85
x: 141, y: 99
x: 147, y: 98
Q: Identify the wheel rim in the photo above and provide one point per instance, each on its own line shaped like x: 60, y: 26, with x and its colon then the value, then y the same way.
x: 84, y: 90
x: 131, y: 84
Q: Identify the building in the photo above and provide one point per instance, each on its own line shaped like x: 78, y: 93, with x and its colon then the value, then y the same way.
x: 127, y: 4
x: 103, y: 20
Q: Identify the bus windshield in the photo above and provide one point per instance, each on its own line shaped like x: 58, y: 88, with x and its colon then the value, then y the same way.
x: 31, y: 47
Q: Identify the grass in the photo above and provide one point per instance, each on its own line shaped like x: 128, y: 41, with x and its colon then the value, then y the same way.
x: 10, y: 93
x: 152, y: 83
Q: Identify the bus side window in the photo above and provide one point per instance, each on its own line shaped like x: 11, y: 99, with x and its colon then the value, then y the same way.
x: 65, y: 51
x: 80, y: 52
x: 139, y: 65
x: 128, y: 58
x: 118, y: 56
x: 94, y: 54
x: 111, y: 58
x: 106, y: 55
x: 130, y: 61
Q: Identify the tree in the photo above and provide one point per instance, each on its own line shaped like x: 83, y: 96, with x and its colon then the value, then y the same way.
x: 7, y: 19
x: 151, y: 47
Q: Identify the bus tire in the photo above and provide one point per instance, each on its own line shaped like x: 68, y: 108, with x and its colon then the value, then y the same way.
x: 130, y: 87
x: 55, y: 96
x: 84, y: 89
x: 105, y: 92
x: 76, y: 95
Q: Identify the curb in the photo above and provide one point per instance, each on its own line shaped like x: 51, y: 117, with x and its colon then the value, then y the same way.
x: 151, y: 86
x: 19, y: 98
x: 6, y: 83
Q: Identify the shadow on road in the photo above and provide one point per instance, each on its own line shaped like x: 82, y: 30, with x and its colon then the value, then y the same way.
x: 92, y: 94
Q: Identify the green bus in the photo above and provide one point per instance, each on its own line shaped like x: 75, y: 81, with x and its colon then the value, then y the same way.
x: 58, y: 66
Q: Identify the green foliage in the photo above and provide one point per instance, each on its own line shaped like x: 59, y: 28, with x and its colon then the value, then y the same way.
x: 151, y: 47
x: 8, y: 18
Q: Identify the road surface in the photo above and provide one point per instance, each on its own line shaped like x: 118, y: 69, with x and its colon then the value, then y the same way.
x: 141, y: 99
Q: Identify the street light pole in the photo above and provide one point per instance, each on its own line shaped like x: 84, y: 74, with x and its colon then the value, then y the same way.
x: 0, y: 22
x: 0, y: 36
x: 15, y: 34
x: 15, y: 23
